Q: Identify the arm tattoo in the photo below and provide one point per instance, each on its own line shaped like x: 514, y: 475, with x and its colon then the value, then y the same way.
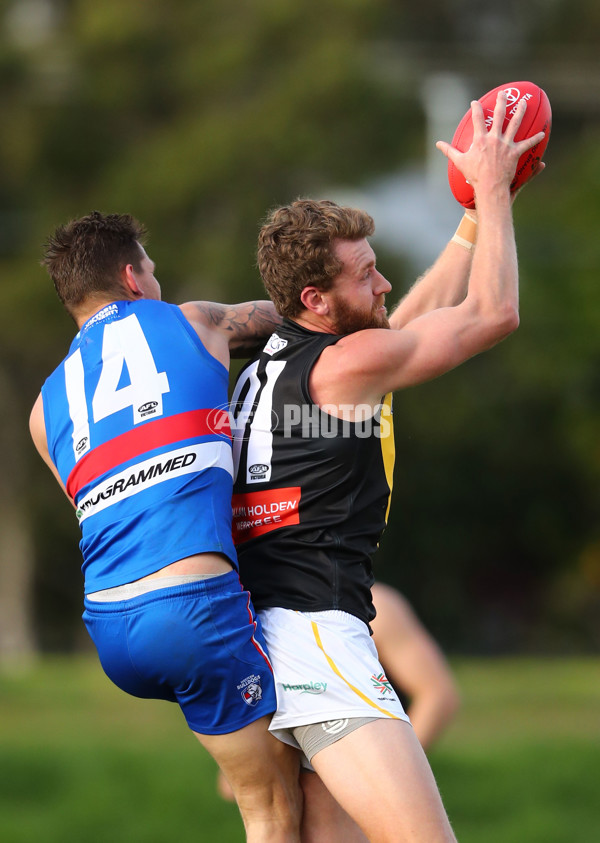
x: 246, y: 325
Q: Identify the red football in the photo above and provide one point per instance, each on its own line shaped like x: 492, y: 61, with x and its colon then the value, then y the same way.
x: 537, y: 118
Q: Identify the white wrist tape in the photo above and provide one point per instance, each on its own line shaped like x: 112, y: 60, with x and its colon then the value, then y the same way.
x: 466, y: 233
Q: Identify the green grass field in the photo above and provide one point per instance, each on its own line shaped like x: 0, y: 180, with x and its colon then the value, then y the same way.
x: 81, y: 761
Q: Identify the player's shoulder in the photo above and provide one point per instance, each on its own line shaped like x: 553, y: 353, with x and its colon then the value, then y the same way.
x: 366, y: 352
x: 198, y: 311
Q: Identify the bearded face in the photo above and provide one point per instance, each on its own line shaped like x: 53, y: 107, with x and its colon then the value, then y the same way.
x: 349, y: 318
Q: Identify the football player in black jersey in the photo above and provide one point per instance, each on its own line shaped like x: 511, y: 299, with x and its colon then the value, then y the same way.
x: 314, y: 450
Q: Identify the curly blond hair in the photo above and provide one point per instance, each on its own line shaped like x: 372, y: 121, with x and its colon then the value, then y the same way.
x: 295, y: 248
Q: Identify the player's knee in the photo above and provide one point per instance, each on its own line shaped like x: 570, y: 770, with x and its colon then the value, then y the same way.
x: 274, y: 801
x: 270, y: 785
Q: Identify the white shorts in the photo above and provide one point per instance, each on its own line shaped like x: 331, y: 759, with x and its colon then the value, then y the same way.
x: 326, y: 668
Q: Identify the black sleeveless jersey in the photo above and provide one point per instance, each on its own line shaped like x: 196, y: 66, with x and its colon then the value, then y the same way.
x: 312, y: 491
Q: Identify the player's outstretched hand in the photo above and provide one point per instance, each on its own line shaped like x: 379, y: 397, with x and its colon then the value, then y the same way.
x: 537, y: 169
x: 492, y: 158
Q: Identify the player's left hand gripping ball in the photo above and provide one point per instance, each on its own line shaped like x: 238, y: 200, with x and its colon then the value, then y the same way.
x: 537, y: 118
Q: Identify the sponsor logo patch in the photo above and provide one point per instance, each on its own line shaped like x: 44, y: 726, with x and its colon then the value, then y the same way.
x: 306, y: 687
x: 144, y: 475
x: 110, y: 311
x: 382, y: 684
x: 255, y: 513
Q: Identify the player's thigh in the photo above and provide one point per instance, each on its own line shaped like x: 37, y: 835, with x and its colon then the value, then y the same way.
x: 253, y: 760
x: 380, y: 775
x: 323, y: 819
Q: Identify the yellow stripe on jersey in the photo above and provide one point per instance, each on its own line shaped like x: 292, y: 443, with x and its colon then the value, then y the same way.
x: 388, y: 446
x: 335, y: 669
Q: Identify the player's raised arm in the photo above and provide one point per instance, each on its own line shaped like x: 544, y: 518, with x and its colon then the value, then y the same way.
x: 445, y: 283
x: 371, y: 363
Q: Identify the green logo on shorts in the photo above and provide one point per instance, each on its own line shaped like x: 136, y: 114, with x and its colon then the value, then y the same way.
x: 306, y: 687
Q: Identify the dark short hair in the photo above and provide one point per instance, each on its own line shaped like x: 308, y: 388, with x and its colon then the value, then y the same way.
x: 295, y: 248
x: 85, y: 257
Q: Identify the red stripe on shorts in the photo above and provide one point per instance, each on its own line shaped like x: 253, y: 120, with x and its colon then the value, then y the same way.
x: 254, y: 641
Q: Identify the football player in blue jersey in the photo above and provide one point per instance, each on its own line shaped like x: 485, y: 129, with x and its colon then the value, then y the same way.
x: 134, y: 425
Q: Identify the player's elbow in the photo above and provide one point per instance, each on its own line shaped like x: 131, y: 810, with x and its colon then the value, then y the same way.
x: 448, y: 702
x: 508, y: 319
x: 502, y: 322
x: 452, y: 699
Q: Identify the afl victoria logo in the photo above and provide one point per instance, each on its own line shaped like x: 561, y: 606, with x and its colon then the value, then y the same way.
x: 148, y: 407
x: 258, y: 468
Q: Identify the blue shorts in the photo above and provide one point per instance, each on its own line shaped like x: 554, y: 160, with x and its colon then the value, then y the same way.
x: 198, y: 644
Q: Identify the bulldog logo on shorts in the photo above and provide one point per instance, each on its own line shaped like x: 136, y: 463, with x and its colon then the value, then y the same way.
x: 252, y: 694
x: 250, y: 689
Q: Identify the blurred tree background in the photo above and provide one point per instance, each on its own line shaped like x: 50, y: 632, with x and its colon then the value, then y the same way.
x: 197, y: 117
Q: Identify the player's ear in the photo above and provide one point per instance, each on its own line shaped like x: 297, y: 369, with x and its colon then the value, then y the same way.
x: 130, y: 281
x: 312, y: 298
